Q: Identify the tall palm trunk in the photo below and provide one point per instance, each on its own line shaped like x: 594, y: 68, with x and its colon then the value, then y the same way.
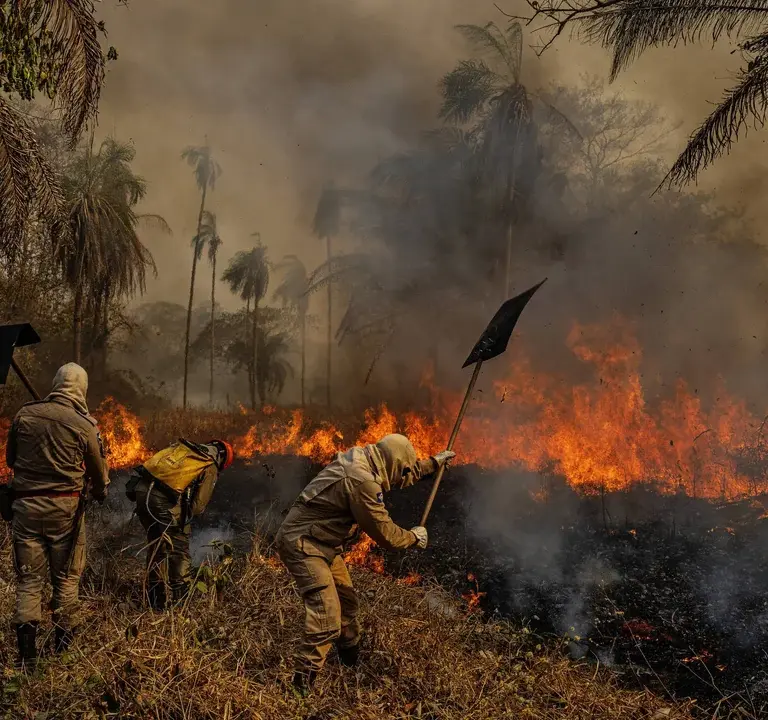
x: 246, y: 329
x: 330, y: 299
x: 303, y: 354
x: 104, y: 338
x: 509, y: 201
x: 213, y: 322
x: 192, y: 293
x: 77, y: 324
x: 254, y: 358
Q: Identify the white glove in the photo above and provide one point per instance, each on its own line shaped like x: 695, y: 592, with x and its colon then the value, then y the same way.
x: 444, y: 457
x: 421, y: 536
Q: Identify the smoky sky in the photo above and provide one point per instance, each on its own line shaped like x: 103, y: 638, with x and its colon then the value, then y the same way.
x: 292, y: 95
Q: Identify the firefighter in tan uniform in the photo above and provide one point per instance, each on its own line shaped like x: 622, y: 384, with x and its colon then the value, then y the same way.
x: 173, y: 486
x: 56, y: 454
x: 346, y: 494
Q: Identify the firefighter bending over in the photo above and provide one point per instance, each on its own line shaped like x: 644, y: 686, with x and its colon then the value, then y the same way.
x: 173, y: 486
x: 55, y: 451
x: 347, y: 493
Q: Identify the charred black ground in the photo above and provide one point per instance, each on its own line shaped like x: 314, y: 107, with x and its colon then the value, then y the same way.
x: 670, y: 591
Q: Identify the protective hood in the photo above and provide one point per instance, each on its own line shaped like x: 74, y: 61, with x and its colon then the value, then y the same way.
x: 395, y: 458
x: 71, y: 383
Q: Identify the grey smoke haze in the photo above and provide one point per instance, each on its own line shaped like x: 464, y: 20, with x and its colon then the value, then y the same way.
x: 291, y: 95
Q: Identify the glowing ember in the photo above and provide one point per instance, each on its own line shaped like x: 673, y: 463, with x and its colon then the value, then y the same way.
x: 413, y: 578
x: 5, y: 473
x: 473, y: 597
x: 703, y: 657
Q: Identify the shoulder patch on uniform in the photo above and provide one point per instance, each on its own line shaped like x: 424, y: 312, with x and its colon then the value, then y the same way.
x: 380, y: 497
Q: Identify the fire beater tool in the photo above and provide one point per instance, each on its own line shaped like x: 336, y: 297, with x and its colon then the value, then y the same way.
x: 11, y: 337
x: 492, y: 342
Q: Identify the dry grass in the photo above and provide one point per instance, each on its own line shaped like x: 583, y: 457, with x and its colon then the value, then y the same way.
x: 230, y: 658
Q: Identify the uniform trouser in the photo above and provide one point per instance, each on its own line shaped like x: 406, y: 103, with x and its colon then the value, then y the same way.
x: 43, y: 534
x: 167, y: 540
x: 330, y: 605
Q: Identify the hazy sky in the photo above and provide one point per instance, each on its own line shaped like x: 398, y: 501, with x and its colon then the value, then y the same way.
x: 293, y: 94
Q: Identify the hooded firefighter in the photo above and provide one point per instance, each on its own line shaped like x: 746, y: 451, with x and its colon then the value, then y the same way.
x: 173, y: 486
x: 348, y: 493
x: 56, y: 455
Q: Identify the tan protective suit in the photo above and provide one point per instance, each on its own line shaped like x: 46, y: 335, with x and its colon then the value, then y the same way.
x: 346, y: 494
x: 166, y: 516
x: 53, y: 447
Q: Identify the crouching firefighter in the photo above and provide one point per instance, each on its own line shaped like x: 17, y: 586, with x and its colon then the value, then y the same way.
x: 56, y: 455
x: 173, y: 486
x: 346, y: 495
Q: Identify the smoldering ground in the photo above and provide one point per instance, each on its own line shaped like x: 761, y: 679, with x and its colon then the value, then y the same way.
x: 666, y: 588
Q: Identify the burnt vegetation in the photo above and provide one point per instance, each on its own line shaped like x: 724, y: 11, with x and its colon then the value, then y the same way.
x: 622, y: 527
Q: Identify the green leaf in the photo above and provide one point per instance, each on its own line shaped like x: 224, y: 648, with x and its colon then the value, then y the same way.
x: 201, y: 587
x: 12, y: 686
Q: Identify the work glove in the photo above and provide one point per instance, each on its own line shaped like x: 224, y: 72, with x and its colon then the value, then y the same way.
x: 421, y: 536
x: 443, y: 458
x: 99, y: 496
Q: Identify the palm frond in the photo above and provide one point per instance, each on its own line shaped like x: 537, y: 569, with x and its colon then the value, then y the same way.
x: 327, y: 218
x: 248, y: 274
x: 157, y: 222
x: 494, y: 44
x: 80, y: 61
x: 340, y: 267
x: 294, y: 287
x: 200, y: 159
x: 629, y: 27
x: 27, y: 182
x: 466, y: 89
x: 98, y: 248
x: 749, y: 98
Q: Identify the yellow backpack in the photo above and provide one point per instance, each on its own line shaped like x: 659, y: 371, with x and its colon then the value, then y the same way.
x: 178, y: 465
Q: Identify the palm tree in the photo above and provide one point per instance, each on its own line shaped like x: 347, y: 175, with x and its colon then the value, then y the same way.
x: 209, y: 235
x: 206, y: 171
x: 326, y: 225
x: 294, y: 290
x: 272, y: 369
x: 248, y: 276
x: 629, y: 27
x: 99, y: 251
x: 486, y: 91
x: 214, y: 243
x: 51, y: 48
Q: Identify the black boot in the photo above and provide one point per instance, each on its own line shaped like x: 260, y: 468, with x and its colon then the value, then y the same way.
x: 348, y: 656
x: 303, y: 680
x: 62, y: 639
x: 156, y: 596
x: 180, y: 592
x: 26, y: 635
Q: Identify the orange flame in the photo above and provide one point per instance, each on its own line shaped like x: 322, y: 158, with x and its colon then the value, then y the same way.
x: 600, y: 435
x: 360, y: 554
x: 121, y: 433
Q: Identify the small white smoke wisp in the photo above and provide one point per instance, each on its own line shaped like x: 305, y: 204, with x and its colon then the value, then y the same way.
x: 201, y: 543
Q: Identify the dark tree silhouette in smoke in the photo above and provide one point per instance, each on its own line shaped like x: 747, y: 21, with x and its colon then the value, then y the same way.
x: 207, y: 170
x: 98, y: 249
